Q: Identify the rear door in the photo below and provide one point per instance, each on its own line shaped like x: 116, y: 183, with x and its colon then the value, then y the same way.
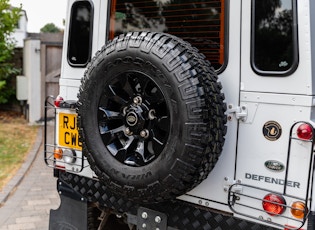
x: 276, y: 92
x: 212, y: 191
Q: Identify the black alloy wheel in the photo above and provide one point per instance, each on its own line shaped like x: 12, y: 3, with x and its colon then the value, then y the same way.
x: 133, y: 118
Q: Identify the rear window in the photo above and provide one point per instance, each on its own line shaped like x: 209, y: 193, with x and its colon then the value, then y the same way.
x: 201, y: 23
x: 274, y: 37
x: 80, y: 33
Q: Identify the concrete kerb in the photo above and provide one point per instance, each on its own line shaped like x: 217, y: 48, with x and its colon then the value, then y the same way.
x: 11, y: 186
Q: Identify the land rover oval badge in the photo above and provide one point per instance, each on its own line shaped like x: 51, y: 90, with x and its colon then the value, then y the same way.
x: 274, y: 165
x: 272, y: 130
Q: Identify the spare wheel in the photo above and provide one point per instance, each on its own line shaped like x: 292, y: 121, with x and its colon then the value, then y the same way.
x: 151, y: 116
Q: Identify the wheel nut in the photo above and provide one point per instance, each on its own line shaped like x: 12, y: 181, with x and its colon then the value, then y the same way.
x: 144, y: 215
x: 144, y: 133
x: 124, y: 111
x: 158, y: 219
x: 127, y: 131
x: 137, y: 100
x: 152, y: 114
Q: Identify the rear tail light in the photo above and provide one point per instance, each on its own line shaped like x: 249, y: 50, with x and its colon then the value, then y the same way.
x: 58, y: 100
x: 305, y: 132
x: 298, y: 210
x: 274, y: 204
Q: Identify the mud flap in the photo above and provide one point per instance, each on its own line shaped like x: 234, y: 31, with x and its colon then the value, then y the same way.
x: 311, y: 221
x: 72, y: 212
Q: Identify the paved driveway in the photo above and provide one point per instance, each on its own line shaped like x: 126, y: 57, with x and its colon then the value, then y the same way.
x: 32, y: 196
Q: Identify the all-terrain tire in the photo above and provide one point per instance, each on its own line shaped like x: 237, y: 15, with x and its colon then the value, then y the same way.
x: 151, y: 116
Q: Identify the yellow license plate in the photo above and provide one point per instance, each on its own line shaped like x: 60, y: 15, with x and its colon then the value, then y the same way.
x: 68, y: 131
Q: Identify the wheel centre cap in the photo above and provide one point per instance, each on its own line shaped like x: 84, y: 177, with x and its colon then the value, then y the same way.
x: 135, y: 118
x: 132, y: 118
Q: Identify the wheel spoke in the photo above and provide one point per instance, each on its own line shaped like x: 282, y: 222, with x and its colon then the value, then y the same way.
x: 163, y: 123
x: 118, y: 146
x: 107, y: 138
x: 128, y: 142
x: 103, y: 128
x: 155, y: 100
x: 153, y: 94
x: 157, y: 145
x: 109, y: 135
x: 113, y: 131
x: 142, y: 155
x: 157, y: 141
x: 110, y: 115
x: 122, y: 152
x: 116, y: 96
x: 142, y: 84
x: 134, y: 159
x: 140, y: 149
x: 127, y: 87
x: 112, y: 149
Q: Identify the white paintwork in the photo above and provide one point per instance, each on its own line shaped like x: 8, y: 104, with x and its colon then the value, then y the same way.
x: 285, y: 100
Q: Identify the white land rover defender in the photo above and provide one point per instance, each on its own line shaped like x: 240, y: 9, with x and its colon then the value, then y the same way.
x: 183, y: 114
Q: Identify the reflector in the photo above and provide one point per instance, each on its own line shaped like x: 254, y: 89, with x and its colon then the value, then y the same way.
x: 304, y: 132
x: 58, y: 100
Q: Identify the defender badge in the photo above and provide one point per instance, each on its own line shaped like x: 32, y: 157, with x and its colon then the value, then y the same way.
x: 272, y: 130
x: 275, y: 166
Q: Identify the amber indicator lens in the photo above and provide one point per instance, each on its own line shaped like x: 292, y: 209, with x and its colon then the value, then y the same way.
x: 274, y: 204
x: 298, y: 209
x: 58, y: 154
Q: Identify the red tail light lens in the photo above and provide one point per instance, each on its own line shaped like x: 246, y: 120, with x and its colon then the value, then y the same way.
x: 274, y: 204
x: 305, y: 132
x: 58, y: 100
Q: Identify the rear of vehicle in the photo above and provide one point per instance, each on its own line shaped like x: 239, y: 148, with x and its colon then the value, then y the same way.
x: 157, y: 134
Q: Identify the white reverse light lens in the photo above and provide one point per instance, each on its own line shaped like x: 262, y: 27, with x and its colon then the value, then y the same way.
x: 69, y: 156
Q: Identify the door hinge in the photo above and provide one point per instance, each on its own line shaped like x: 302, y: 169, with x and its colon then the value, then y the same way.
x: 239, y: 111
x: 233, y: 185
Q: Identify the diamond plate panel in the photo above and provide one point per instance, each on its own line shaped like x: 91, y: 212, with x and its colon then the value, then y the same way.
x: 181, y: 215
